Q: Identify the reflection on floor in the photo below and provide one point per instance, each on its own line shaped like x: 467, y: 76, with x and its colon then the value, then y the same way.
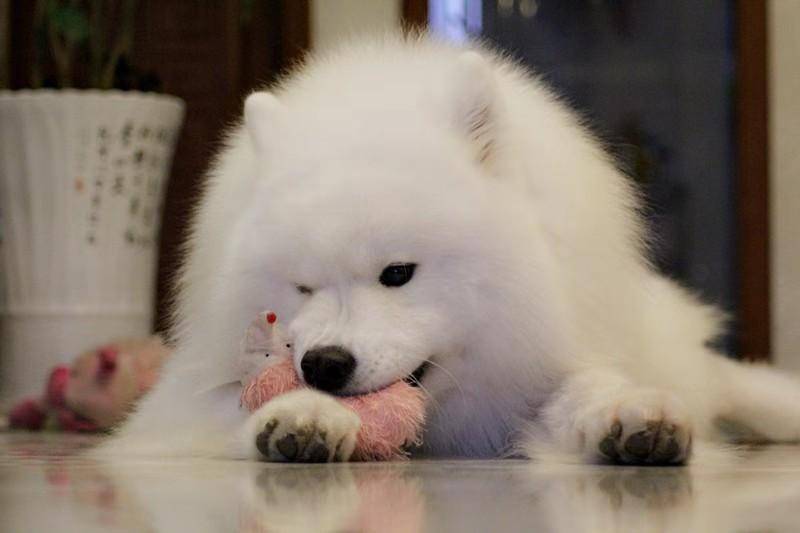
x: 45, y: 485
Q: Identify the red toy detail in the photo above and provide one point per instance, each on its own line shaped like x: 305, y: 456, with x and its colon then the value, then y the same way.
x: 29, y: 414
x: 108, y: 362
x: 57, y: 386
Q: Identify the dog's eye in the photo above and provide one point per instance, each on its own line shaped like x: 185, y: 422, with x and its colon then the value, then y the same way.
x: 397, y: 274
x: 302, y: 289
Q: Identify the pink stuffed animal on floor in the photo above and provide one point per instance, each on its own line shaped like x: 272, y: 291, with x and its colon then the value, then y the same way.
x: 97, y: 391
x: 391, y: 418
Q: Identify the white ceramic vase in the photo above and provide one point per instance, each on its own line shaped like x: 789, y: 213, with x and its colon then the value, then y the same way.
x: 82, y: 175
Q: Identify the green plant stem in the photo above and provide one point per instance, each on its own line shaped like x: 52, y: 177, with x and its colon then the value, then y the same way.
x: 122, y: 46
x: 96, y: 42
x: 38, y: 52
x: 62, y: 54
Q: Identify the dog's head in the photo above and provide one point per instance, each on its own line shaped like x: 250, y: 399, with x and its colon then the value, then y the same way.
x: 376, y: 242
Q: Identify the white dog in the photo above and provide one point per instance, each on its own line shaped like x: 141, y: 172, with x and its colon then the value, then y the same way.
x: 408, y: 206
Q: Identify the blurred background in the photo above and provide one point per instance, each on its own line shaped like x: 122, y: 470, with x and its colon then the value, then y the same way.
x: 696, y: 99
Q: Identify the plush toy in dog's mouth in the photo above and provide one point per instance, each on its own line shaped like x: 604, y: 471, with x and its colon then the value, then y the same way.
x: 391, y: 418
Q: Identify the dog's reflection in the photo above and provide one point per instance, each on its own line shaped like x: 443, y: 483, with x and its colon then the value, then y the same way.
x: 332, y: 498
x: 658, y: 489
x: 615, y: 499
x: 739, y: 497
x: 411, y: 497
x: 430, y: 498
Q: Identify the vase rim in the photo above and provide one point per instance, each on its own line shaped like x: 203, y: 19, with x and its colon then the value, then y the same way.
x: 18, y: 94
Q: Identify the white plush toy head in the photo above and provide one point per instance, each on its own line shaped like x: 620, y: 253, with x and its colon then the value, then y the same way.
x: 264, y: 345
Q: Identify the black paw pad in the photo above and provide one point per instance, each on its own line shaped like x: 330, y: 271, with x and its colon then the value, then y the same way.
x: 639, y: 444
x: 657, y: 444
x: 287, y: 445
x: 262, y: 439
x: 317, y: 452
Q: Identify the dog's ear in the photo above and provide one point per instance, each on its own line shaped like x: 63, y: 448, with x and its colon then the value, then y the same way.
x: 263, y: 116
x: 475, y: 103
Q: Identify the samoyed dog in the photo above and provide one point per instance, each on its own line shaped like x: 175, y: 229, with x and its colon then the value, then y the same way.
x: 414, y: 208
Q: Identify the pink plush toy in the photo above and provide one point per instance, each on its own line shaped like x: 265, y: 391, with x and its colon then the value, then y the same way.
x: 96, y: 391
x: 391, y: 418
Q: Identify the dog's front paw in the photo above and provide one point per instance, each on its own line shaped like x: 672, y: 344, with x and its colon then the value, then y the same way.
x: 644, y: 428
x: 304, y: 426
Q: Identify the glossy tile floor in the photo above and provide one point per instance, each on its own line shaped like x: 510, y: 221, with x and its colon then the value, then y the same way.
x: 45, y: 485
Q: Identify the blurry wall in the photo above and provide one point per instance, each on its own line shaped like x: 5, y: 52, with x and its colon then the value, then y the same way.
x: 336, y: 20
x: 784, y: 113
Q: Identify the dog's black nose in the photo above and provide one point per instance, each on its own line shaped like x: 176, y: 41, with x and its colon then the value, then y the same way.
x: 328, y: 368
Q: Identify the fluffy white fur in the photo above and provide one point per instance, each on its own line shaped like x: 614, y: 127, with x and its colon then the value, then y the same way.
x: 547, y: 328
